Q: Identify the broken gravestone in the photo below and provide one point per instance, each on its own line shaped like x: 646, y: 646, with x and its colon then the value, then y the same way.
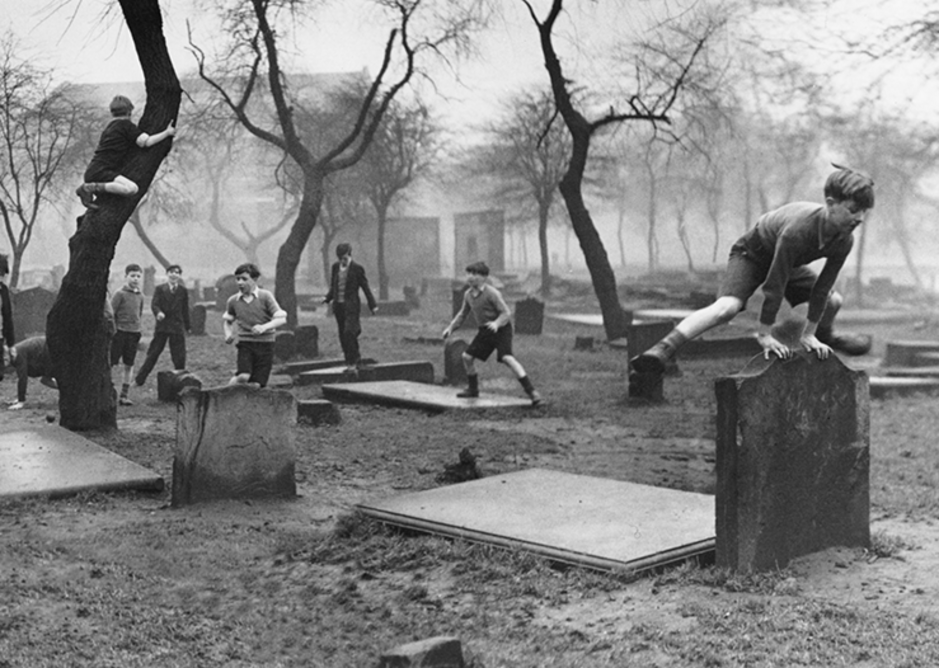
x: 793, y: 461
x: 170, y: 384
x: 234, y: 442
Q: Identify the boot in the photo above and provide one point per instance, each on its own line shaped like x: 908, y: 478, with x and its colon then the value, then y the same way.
x: 849, y: 344
x: 85, y: 193
x: 473, y: 389
x: 656, y: 358
x: 530, y: 390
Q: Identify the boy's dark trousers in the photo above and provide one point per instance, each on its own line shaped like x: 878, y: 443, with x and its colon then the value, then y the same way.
x: 177, y: 353
x: 257, y: 359
x: 348, y: 338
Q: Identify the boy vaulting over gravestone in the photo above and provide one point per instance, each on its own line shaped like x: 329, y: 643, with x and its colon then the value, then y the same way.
x: 495, y: 331
x: 774, y: 254
x: 119, y: 137
x: 253, y: 314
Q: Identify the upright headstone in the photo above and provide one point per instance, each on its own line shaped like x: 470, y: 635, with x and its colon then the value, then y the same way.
x: 470, y: 322
x: 285, y: 345
x: 307, y: 338
x: 225, y: 287
x: 197, y: 317
x: 529, y: 316
x: 209, y: 294
x: 454, y: 373
x: 234, y: 442
x: 30, y: 308
x: 793, y: 461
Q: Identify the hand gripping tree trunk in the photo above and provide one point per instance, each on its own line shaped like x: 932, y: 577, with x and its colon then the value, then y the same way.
x: 76, y: 329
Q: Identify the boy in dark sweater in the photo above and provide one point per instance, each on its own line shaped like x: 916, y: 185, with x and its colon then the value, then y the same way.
x: 170, y: 306
x: 495, y: 331
x: 774, y: 255
x: 253, y: 314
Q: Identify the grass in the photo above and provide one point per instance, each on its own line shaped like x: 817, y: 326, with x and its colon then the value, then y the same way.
x: 122, y: 580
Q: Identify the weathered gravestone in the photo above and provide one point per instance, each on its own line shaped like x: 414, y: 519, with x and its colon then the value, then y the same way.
x: 793, y: 461
x: 198, y: 315
x: 307, y: 338
x: 318, y: 412
x: 30, y: 308
x: 285, y: 345
x: 454, y: 373
x: 234, y: 442
x: 411, y: 297
x: 470, y: 322
x: 209, y: 294
x: 529, y: 316
x: 225, y: 287
x: 171, y: 383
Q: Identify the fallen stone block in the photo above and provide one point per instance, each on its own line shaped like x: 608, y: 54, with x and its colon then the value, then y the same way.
x: 296, y: 368
x: 171, y: 383
x: 902, y: 353
x: 418, y: 372
x: 234, y: 442
x: 438, y: 652
x: 926, y: 359
x: 317, y: 412
x: 793, y: 461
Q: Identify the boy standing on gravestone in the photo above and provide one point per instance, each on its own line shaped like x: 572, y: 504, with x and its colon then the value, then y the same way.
x: 495, y: 331
x: 774, y: 254
x: 6, y: 313
x: 170, y: 306
x: 117, y: 141
x: 127, y: 304
x: 346, y: 279
x: 254, y: 314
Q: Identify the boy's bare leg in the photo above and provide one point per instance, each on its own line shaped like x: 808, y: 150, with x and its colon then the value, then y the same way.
x: 655, y: 358
x: 469, y: 363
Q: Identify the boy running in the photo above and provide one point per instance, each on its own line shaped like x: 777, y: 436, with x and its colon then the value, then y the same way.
x: 253, y: 314
x: 495, y: 331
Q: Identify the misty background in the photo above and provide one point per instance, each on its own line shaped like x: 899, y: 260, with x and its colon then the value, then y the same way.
x: 794, y: 86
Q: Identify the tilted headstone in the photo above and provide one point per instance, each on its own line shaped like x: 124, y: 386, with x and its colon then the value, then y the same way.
x: 793, y: 461
x: 454, y: 373
x: 285, y: 345
x: 171, y: 383
x: 234, y: 442
x: 198, y: 314
x: 225, y: 287
x: 30, y: 308
x: 307, y: 338
x: 529, y: 316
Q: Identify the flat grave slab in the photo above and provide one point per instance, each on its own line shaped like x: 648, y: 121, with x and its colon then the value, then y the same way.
x: 577, y: 519
x: 296, y: 368
x: 49, y: 460
x: 416, y: 371
x: 883, y: 386
x: 418, y: 395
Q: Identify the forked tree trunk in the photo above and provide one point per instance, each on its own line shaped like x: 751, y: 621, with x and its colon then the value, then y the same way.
x: 290, y: 252
x: 76, y: 331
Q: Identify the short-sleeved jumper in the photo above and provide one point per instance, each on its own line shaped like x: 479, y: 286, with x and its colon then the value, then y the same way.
x: 246, y: 311
x: 128, y: 308
x: 117, y: 140
x: 789, y: 237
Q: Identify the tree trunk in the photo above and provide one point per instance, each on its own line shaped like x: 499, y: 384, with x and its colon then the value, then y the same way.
x: 543, y: 247
x: 382, y: 214
x: 288, y: 257
x: 76, y: 331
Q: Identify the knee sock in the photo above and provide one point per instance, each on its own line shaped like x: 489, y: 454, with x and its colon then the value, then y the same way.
x: 125, y: 388
x: 473, y: 380
x: 526, y: 384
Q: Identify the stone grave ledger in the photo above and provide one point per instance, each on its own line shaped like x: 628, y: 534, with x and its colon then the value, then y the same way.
x: 234, y: 442
x: 793, y: 461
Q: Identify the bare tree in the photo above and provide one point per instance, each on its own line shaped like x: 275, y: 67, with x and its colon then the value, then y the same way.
x: 39, y: 127
x: 76, y: 332
x: 257, y: 37
x: 666, y: 68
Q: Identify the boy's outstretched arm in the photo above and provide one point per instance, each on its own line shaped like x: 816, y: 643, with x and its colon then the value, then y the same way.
x: 144, y: 140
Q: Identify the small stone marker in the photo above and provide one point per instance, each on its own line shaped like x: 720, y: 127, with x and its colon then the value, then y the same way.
x: 30, y: 308
x: 234, y: 442
x: 454, y: 373
x: 171, y: 383
x: 285, y: 345
x: 307, y: 338
x: 793, y: 461
x: 438, y: 652
x: 198, y: 315
x: 640, y: 336
x: 317, y: 412
x: 411, y: 297
x: 583, y: 343
x: 529, y: 316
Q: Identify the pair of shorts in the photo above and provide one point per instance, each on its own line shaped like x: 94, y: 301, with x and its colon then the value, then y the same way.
x: 487, y: 340
x: 124, y: 347
x: 745, y: 275
x: 256, y: 359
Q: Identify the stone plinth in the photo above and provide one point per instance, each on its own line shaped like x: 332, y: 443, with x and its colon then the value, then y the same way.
x: 234, y: 442
x: 439, y: 652
x: 198, y: 315
x: 171, y: 383
x: 317, y: 412
x: 529, y: 316
x: 307, y: 338
x: 793, y: 461
x: 454, y: 372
